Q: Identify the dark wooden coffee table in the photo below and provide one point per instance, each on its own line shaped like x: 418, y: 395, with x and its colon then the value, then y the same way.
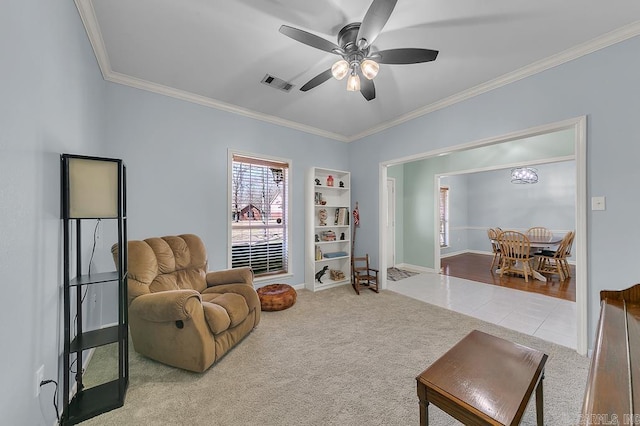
x: 483, y: 380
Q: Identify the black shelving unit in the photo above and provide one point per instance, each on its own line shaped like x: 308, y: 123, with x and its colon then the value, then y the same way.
x: 90, y: 402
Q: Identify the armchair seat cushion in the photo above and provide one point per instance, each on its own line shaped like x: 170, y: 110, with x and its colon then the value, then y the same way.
x: 233, y: 304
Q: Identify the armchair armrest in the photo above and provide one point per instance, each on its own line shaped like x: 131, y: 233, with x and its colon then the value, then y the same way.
x: 230, y: 276
x: 166, y: 306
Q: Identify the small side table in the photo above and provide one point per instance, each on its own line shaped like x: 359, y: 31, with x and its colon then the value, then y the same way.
x: 483, y: 380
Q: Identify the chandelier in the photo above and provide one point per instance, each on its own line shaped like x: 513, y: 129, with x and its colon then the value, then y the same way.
x: 524, y: 175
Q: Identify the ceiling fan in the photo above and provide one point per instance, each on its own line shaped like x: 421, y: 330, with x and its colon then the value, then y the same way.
x: 354, y: 46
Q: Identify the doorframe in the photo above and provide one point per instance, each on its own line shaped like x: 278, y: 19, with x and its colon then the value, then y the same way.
x: 391, y: 206
x: 579, y: 127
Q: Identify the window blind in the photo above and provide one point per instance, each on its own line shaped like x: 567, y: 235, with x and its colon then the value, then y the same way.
x: 259, y: 206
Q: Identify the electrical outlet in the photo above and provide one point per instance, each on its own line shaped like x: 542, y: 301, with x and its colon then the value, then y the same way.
x: 39, y: 379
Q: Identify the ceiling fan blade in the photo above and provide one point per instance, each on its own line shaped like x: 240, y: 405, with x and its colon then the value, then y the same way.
x: 374, y: 20
x: 368, y: 89
x: 310, y: 39
x: 317, y: 80
x: 404, y: 56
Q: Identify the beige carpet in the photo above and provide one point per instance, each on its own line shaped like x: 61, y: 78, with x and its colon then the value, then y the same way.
x: 334, y: 358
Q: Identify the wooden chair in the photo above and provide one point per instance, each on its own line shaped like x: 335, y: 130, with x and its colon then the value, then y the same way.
x: 364, y: 276
x: 539, y: 233
x: 555, y: 262
x: 515, y: 248
x: 495, y: 246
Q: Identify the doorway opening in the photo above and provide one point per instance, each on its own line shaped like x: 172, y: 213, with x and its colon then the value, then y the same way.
x: 484, y: 154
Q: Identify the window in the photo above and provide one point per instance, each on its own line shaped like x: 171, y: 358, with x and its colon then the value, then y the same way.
x: 444, y: 216
x: 259, y: 214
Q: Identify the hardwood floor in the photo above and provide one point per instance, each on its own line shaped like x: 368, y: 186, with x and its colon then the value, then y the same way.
x: 477, y: 267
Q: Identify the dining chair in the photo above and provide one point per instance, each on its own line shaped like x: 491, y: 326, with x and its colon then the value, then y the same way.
x: 555, y: 262
x: 495, y: 247
x: 539, y: 233
x: 515, y: 248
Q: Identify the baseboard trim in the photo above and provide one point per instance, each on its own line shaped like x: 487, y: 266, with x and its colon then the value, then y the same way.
x: 453, y: 253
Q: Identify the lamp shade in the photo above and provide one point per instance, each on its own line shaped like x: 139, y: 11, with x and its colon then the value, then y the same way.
x: 90, y: 187
x: 353, y: 82
x: 369, y: 68
x: 340, y: 69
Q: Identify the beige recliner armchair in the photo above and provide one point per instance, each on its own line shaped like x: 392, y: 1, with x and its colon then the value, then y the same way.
x: 180, y: 314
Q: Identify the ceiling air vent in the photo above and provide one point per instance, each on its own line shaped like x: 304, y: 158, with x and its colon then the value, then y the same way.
x: 277, y: 83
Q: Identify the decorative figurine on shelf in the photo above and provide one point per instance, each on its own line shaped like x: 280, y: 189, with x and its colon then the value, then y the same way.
x: 342, y: 236
x: 341, y: 184
x: 336, y: 274
x: 317, y: 239
x: 322, y: 216
x: 329, y: 180
x: 320, y: 273
x: 317, y: 181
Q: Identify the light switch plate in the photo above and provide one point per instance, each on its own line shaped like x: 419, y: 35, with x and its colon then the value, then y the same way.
x: 597, y: 203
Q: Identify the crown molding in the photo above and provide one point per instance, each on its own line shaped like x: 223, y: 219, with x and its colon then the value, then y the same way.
x: 90, y: 22
x: 606, y: 40
x: 87, y: 14
x: 213, y: 103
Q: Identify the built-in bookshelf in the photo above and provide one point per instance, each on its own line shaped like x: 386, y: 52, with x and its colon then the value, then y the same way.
x: 328, y: 228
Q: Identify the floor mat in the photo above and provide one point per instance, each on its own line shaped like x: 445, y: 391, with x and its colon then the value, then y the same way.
x: 395, y: 274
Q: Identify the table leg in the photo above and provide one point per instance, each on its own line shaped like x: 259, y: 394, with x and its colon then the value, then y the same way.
x: 424, y: 404
x: 539, y: 402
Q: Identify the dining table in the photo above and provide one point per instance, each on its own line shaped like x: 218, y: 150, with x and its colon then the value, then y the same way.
x: 541, y: 243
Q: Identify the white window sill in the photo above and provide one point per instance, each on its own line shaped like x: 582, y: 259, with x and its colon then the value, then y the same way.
x: 273, y: 278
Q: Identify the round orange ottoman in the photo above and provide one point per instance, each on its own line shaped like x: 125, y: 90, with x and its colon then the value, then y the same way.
x: 276, y: 297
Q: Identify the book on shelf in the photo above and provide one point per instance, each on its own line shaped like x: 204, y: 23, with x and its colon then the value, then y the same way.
x: 342, y: 216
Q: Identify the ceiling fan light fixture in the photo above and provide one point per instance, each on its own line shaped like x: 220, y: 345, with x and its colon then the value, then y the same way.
x: 340, y: 69
x: 369, y: 68
x: 353, y: 82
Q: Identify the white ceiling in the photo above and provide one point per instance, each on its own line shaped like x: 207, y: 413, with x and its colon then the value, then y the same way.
x: 216, y: 52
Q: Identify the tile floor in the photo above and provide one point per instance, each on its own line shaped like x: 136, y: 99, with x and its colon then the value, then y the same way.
x: 545, y: 317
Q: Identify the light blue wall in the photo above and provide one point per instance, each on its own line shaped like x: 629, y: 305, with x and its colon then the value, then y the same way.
x: 50, y: 102
x: 602, y: 85
x: 176, y: 155
x: 483, y: 200
x: 549, y: 203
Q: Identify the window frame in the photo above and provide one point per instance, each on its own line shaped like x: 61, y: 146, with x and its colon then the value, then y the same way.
x: 286, y: 210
